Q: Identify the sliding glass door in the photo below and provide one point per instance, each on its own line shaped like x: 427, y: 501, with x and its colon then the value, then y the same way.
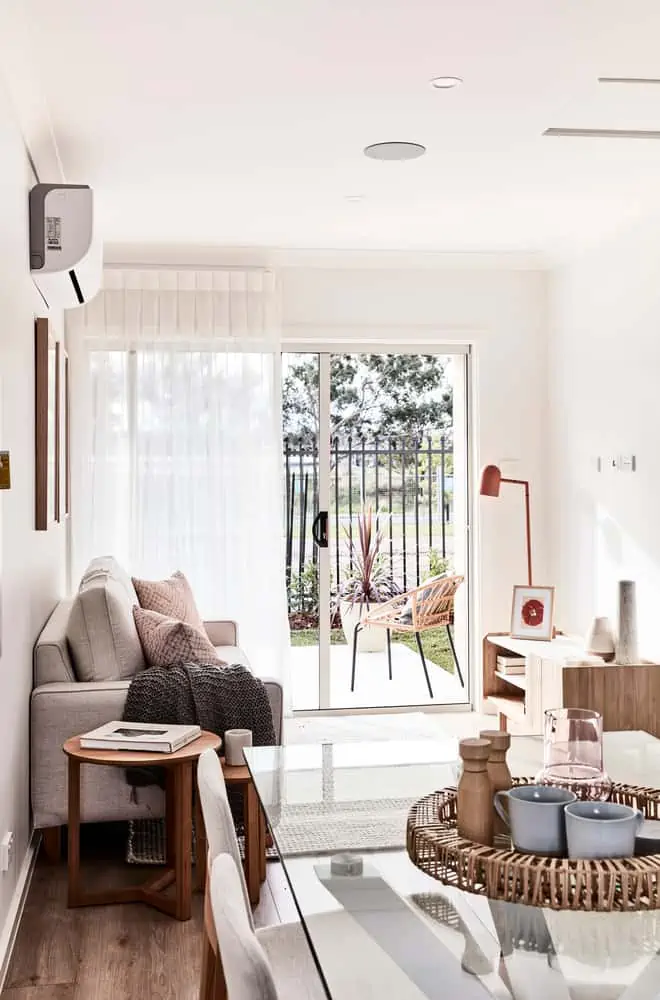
x: 375, y: 465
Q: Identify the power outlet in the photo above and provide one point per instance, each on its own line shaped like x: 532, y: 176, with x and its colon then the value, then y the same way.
x: 6, y: 851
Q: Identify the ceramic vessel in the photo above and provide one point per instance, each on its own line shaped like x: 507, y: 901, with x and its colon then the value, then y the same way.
x: 601, y: 829
x: 535, y: 816
x: 626, y: 646
x: 600, y: 639
x: 371, y: 639
x: 235, y: 742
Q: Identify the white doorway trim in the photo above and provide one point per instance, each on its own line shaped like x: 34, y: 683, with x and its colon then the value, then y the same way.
x: 324, y: 348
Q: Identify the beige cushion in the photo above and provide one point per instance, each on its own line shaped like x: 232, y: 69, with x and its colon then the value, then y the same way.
x: 101, y: 632
x: 292, y: 964
x: 172, y: 598
x: 232, y: 654
x: 218, y: 820
x: 52, y: 656
x: 167, y: 641
x: 246, y: 969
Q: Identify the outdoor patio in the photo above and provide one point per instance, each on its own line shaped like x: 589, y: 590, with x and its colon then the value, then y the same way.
x: 373, y: 689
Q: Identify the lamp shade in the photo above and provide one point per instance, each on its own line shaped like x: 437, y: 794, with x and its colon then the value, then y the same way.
x: 491, y: 478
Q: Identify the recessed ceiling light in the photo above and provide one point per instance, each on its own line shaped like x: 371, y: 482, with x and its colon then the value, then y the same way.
x: 354, y: 197
x: 446, y: 82
x: 395, y: 150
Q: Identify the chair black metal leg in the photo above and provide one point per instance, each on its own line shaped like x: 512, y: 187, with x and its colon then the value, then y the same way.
x: 355, y: 639
x: 453, y: 652
x: 389, y: 652
x: 426, y: 673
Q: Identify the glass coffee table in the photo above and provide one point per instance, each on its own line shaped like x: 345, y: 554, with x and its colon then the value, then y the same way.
x: 389, y: 930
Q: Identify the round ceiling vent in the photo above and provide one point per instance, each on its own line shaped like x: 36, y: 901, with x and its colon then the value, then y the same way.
x: 395, y: 150
x: 446, y: 82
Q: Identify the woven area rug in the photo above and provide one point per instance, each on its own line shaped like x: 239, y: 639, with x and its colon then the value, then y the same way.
x: 378, y: 825
x: 318, y: 828
x: 147, y: 843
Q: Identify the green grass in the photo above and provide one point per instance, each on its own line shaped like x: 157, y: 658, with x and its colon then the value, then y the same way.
x: 434, y: 643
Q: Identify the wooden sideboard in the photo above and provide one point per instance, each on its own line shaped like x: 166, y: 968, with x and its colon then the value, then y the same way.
x: 628, y: 697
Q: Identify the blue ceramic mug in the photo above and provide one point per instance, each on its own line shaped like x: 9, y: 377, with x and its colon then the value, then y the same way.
x: 601, y: 829
x: 535, y: 816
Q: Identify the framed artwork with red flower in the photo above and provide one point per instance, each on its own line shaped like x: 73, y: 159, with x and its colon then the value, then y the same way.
x: 532, y: 615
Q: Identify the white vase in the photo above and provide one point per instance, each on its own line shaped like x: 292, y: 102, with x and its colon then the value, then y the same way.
x: 599, y: 640
x: 371, y: 639
x: 626, y: 645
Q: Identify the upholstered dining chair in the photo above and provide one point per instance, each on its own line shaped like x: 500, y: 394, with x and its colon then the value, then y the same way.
x: 287, y: 953
x: 431, y: 605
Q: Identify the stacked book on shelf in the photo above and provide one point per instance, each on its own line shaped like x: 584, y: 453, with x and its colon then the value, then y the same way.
x: 511, y: 664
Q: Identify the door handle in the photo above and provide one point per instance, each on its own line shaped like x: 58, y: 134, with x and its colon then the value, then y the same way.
x: 320, y: 529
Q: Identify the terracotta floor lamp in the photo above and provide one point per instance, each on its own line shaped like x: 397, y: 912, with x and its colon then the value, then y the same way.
x: 491, y: 479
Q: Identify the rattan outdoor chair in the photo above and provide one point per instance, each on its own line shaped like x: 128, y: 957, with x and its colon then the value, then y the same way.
x: 431, y: 605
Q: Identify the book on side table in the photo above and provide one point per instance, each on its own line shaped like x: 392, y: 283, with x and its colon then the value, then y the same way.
x: 139, y: 736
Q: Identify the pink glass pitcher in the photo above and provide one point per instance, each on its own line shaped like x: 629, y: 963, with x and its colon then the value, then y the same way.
x: 573, y: 752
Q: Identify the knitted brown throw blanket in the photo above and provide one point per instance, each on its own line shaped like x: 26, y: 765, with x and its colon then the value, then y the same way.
x: 215, y: 698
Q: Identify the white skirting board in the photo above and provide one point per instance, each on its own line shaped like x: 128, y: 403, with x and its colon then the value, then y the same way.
x: 12, y: 923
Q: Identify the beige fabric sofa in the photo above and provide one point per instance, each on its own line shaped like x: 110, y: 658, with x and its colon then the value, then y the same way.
x: 93, y: 635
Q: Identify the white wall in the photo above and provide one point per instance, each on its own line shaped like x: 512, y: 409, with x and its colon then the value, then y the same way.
x: 503, y: 314
x: 606, y: 401
x: 31, y: 563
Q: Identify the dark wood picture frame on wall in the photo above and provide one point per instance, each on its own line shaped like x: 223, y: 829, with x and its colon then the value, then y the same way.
x: 46, y: 426
x: 64, y: 464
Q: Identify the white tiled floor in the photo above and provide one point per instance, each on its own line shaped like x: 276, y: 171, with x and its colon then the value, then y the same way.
x: 373, y: 689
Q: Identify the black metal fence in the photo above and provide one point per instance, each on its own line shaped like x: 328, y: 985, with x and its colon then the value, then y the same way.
x: 410, y: 482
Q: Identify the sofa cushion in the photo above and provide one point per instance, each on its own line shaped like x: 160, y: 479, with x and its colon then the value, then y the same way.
x: 52, y: 656
x: 232, y: 654
x: 172, y: 598
x: 168, y: 641
x: 101, y: 632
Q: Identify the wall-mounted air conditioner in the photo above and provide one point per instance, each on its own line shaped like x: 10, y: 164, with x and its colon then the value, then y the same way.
x: 65, y: 259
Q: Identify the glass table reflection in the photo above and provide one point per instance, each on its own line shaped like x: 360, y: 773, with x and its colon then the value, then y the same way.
x: 392, y: 930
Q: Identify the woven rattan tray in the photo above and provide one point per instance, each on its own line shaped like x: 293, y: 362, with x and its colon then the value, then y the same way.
x: 618, y: 884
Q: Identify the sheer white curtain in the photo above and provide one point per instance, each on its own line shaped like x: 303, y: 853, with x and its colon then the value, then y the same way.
x: 176, y: 441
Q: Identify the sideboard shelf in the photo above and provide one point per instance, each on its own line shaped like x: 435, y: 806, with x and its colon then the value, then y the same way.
x: 508, y: 707
x: 515, y: 680
x: 628, y: 697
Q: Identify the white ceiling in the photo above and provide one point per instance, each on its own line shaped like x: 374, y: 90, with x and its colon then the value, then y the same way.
x: 242, y: 122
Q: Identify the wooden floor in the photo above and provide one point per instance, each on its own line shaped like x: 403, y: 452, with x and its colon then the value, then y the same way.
x: 114, y: 952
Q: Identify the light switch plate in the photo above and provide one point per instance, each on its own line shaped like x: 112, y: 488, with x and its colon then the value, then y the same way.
x: 5, y: 475
x: 616, y: 463
x: 6, y: 850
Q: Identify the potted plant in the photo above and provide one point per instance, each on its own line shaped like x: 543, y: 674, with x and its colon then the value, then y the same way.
x: 367, y: 583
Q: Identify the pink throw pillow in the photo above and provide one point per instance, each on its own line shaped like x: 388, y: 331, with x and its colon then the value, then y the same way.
x: 167, y: 642
x: 172, y: 598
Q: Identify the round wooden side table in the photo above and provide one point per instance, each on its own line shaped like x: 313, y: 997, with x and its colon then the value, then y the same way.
x: 179, y: 813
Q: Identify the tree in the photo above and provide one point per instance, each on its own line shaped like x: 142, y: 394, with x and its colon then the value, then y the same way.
x: 371, y: 395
